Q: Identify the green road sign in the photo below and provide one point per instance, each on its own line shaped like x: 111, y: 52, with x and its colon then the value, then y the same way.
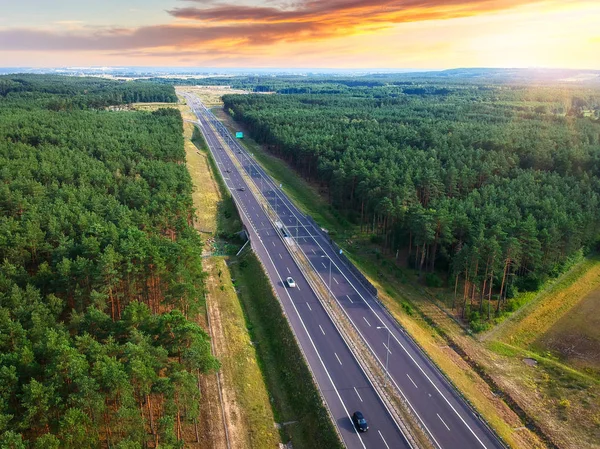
x: 239, y: 135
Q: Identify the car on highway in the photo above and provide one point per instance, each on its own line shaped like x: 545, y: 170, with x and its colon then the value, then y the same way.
x: 360, y: 422
x: 290, y: 282
x: 242, y: 189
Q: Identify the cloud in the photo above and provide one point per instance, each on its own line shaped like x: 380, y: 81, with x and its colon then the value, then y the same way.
x: 22, y: 39
x: 225, y: 25
x: 349, y: 12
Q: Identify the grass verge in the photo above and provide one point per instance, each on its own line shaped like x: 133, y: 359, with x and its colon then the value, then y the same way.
x: 246, y: 401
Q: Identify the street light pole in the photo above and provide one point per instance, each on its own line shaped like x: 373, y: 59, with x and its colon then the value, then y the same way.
x: 325, y: 256
x: 387, y: 354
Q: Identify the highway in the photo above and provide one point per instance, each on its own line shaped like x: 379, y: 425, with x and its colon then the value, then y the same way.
x: 448, y: 419
x: 343, y: 384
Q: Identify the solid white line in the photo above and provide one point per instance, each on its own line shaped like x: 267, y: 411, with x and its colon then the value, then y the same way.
x: 309, y: 307
x: 412, y: 380
x: 321, y: 329
x: 358, y: 394
x: 367, y: 321
x: 336, y: 356
x: 350, y: 299
x: 438, y: 415
x: 387, y: 348
x: 384, y: 442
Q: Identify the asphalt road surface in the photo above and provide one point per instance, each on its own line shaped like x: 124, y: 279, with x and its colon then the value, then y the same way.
x: 342, y: 382
x: 449, y: 420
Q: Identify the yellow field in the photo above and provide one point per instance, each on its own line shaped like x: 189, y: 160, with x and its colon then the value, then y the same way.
x: 210, y: 95
x: 551, y: 305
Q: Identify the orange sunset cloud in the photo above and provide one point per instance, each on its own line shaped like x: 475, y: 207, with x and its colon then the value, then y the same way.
x: 401, y: 33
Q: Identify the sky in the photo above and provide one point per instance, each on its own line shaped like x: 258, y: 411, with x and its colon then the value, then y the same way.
x: 363, y: 34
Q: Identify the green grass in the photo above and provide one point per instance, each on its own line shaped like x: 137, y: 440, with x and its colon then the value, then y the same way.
x: 294, y: 395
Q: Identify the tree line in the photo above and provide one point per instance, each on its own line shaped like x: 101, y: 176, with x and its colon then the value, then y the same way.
x: 68, y: 93
x: 100, y: 273
x: 494, y: 186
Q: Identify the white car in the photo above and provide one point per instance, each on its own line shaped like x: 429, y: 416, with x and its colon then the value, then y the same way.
x: 290, y: 282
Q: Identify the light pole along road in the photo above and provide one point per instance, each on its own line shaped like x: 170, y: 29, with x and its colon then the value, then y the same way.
x: 450, y: 422
x: 342, y: 382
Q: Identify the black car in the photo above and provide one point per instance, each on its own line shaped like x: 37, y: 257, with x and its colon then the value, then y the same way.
x: 360, y: 422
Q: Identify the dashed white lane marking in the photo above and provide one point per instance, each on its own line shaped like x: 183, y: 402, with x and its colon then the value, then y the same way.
x: 288, y: 270
x: 358, y: 394
x: 336, y: 281
x: 273, y: 243
x: 321, y: 329
x: 280, y: 256
x: 262, y: 223
x: 323, y: 263
x: 387, y: 348
x: 298, y: 287
x: 438, y: 415
x: 313, y: 251
x: 367, y: 321
x: 349, y: 299
x: 309, y: 307
x: 384, y: 442
x: 304, y: 240
x: 413, y: 382
x: 338, y: 359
